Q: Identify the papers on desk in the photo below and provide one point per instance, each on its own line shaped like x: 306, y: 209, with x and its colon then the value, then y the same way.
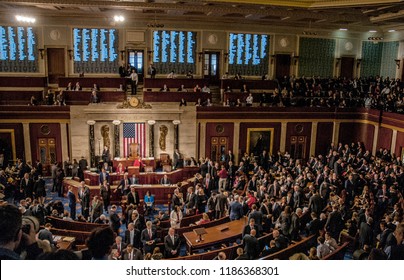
x: 69, y: 238
x: 57, y: 238
x: 136, y: 185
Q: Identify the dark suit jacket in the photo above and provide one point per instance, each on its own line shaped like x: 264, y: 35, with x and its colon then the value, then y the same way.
x: 316, y: 204
x: 72, y: 200
x: 165, y: 182
x: 251, y: 247
x: 104, y: 176
x: 236, y: 210
x: 27, y: 187
x: 170, y: 246
x: 133, y: 199
x: 257, y: 216
x: 136, y: 235
x: 136, y: 255
x: 123, y: 247
x: 365, y: 234
x: 144, y: 237
x: 247, y: 230
x: 122, y: 186
x: 334, y: 223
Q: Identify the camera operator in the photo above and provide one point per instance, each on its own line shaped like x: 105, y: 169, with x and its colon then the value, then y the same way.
x: 13, y: 240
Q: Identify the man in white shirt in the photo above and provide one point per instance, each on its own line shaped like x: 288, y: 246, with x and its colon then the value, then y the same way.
x: 134, y: 78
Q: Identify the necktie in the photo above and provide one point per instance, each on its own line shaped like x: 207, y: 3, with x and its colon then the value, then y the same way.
x: 172, y: 239
x: 131, y: 256
x: 150, y: 234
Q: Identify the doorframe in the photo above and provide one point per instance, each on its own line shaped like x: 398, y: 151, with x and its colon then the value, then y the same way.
x: 338, y: 65
x: 273, y: 61
x: 69, y: 63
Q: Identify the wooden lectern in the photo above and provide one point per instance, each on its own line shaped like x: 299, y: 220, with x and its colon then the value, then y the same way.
x: 200, y: 232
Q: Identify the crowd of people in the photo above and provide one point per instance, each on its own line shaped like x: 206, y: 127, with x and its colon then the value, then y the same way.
x: 372, y: 92
x: 346, y: 194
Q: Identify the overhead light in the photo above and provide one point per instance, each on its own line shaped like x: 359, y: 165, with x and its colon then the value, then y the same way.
x: 372, y: 31
x: 25, y: 19
x: 343, y: 29
x: 392, y: 30
x: 119, y: 18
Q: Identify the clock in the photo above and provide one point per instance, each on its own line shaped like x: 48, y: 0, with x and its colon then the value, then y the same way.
x: 212, y: 39
x: 134, y: 101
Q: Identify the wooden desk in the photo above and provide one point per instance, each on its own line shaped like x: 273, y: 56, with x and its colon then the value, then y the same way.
x: 174, y: 84
x: 161, y: 193
x: 215, y: 235
x: 88, y: 82
x: 251, y: 84
x: 64, y: 242
x: 129, y: 162
x: 82, y: 97
x: 174, y: 96
x: 144, y: 177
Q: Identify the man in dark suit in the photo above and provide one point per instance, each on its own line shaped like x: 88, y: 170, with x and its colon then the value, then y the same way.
x: 334, y: 223
x: 190, y: 201
x: 221, y: 204
x: 208, y: 184
x: 251, y: 247
x: 124, y: 185
x: 132, y: 253
x: 82, y: 166
x: 103, y: 176
x: 132, y: 235
x: 134, y: 180
x: 385, y: 232
x: 236, y: 209
x: 105, y: 154
x: 27, y: 186
x: 172, y: 244
x: 366, y: 233
x: 133, y: 196
x: 178, y: 161
x: 248, y: 228
x: 46, y: 234
x: 316, y: 203
x: 314, y: 226
x: 84, y: 198
x: 252, y: 184
x: 257, y: 216
x: 115, y: 220
x: 165, y: 180
x: 72, y: 202
x: 118, y: 247
x: 148, y: 238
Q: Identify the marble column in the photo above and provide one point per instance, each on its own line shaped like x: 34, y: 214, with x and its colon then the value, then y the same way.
x: 335, y: 132
x: 151, y: 137
x: 91, y: 139
x: 375, y: 136
x: 202, y: 139
x: 394, y: 141
x: 283, y: 137
x: 117, y: 151
x: 236, y: 141
x: 313, y: 138
x: 176, y: 134
x: 27, y: 142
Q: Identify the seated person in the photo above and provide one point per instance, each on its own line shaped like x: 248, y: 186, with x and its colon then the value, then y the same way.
x: 96, y: 87
x: 171, y: 75
x: 50, y: 98
x: 33, y: 101
x: 205, y: 219
x: 249, y: 100
x: 245, y: 89
x: 182, y: 89
x: 77, y: 86
x: 205, y: 89
x: 164, y: 88
x: 94, y: 97
x: 190, y: 75
x: 183, y: 102
x: 208, y: 103
x: 148, y: 200
x: 60, y: 99
x: 70, y: 86
x: 197, y: 88
x: 238, y: 76
x: 239, y: 103
x: 198, y: 103
x: 165, y: 180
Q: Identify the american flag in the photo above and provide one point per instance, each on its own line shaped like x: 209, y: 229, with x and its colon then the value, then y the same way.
x: 134, y: 133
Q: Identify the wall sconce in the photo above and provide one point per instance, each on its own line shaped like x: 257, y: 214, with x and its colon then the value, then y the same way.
x: 150, y: 53
x: 41, y: 52
x: 397, y: 63
x: 200, y: 55
x: 122, y: 55
x: 70, y: 52
x: 358, y: 62
x: 337, y: 61
x: 273, y: 58
x: 295, y: 59
x: 226, y: 56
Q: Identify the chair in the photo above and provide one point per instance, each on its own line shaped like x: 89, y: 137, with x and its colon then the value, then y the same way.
x: 166, y: 168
